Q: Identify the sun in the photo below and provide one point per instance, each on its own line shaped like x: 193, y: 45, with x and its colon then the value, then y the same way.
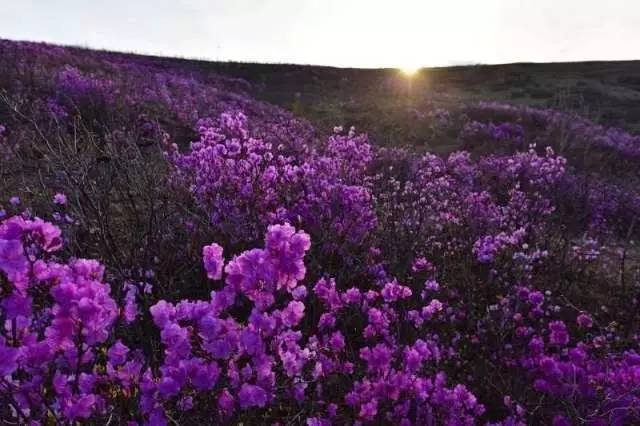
x: 409, y: 70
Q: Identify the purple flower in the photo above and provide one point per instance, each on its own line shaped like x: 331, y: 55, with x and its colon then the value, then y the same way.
x: 286, y: 247
x: 79, y: 408
x: 293, y: 313
x: 130, y: 309
x: 251, y: 342
x: 48, y: 236
x: 204, y: 375
x: 186, y: 403
x: 299, y: 292
x: 252, y: 396
x: 60, y: 199
x: 162, y: 313
x: 8, y: 359
x: 378, y: 358
x: 393, y: 291
x: 536, y: 298
x: 253, y: 274
x: 213, y: 261
x: 584, y: 321
x: 168, y: 387
x: 369, y: 410
x: 117, y: 354
x: 12, y: 259
x: 559, y: 335
x: 16, y: 305
x: 226, y: 403
x: 431, y: 285
x: 337, y: 342
x: 434, y: 307
x: 421, y: 264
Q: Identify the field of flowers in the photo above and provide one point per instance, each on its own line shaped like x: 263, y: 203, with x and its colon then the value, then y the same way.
x: 173, y: 251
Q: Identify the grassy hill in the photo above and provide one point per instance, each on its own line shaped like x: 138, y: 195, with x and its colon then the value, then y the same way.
x: 376, y: 100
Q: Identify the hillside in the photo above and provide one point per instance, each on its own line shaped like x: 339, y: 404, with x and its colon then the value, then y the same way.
x: 377, y: 99
x: 187, y: 242
x: 605, y: 91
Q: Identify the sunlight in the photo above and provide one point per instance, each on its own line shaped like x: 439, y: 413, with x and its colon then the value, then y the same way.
x: 409, y: 70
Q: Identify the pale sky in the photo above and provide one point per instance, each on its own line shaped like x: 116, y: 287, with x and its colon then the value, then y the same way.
x: 355, y: 33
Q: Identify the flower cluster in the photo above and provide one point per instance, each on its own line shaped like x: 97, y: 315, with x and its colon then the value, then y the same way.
x: 74, y: 86
x: 232, y: 174
x: 57, y: 317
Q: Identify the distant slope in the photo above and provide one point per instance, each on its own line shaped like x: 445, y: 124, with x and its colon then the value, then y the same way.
x: 383, y: 102
x: 608, y: 92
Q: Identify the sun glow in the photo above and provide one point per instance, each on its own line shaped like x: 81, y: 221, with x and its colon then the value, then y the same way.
x: 409, y: 70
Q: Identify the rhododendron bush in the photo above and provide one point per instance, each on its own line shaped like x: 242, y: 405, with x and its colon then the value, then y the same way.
x: 187, y: 254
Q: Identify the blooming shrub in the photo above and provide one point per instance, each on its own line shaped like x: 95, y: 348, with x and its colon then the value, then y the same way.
x: 57, y: 316
x: 232, y: 175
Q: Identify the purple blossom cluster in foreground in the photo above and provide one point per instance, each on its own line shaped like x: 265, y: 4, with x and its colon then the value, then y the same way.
x: 268, y: 275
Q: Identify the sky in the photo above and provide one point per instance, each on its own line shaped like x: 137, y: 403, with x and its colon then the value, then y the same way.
x: 345, y: 33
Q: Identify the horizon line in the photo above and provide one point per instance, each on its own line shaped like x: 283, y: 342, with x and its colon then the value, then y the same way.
x: 451, y: 64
